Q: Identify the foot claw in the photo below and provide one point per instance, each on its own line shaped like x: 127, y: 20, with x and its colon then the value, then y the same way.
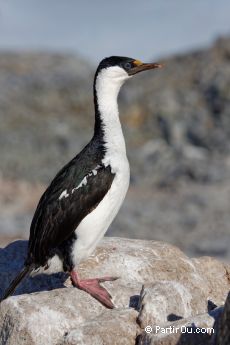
x: 107, y: 279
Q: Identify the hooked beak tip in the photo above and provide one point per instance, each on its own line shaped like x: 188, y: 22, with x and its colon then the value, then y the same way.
x: 158, y: 65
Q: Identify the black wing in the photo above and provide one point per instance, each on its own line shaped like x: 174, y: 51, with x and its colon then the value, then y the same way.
x: 56, y: 218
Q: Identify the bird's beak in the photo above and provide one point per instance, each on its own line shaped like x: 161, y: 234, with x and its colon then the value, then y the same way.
x: 140, y: 66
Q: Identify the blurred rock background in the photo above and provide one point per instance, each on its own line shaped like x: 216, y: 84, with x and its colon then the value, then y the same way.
x: 177, y: 127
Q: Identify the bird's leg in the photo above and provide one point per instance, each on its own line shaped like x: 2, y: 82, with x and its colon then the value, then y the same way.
x: 93, y: 287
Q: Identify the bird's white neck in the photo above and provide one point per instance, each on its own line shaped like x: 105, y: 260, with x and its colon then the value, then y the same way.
x: 107, y: 85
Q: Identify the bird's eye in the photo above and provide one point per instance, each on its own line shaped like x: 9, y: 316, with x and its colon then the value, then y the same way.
x: 127, y: 65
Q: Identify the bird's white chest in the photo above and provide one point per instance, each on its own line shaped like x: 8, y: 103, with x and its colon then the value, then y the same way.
x: 93, y: 227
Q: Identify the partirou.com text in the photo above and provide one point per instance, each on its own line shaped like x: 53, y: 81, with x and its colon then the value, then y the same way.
x: 181, y: 329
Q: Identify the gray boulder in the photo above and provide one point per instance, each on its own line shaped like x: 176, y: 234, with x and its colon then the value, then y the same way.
x: 158, y: 285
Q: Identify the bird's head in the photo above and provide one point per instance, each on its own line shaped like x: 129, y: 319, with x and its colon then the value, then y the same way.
x: 119, y: 68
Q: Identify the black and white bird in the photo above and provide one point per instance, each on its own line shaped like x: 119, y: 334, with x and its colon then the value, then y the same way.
x: 77, y: 208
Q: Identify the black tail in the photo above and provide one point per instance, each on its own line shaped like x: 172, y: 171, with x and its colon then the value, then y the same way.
x: 22, y: 274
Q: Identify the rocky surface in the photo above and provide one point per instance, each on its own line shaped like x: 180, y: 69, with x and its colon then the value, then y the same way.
x: 222, y: 326
x: 158, y: 286
x: 176, y: 124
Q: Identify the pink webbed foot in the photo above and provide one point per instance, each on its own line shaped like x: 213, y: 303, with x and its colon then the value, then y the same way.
x: 93, y: 287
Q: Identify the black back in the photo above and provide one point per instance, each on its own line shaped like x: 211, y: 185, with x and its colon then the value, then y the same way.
x: 55, y: 220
